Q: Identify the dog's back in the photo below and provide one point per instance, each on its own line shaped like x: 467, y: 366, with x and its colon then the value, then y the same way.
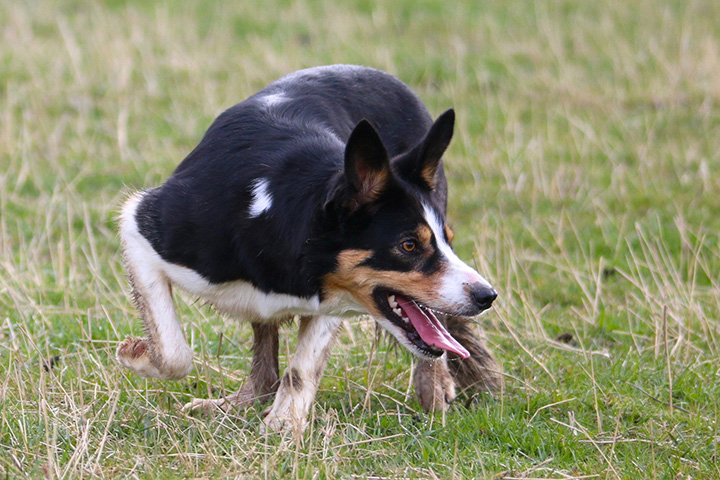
x: 334, y: 99
x: 290, y: 135
x: 320, y: 106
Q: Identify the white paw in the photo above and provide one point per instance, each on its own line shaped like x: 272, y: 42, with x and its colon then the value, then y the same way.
x: 284, y: 416
x: 283, y: 423
x: 206, y: 406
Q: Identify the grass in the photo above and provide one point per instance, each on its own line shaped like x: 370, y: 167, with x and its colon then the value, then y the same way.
x: 584, y: 182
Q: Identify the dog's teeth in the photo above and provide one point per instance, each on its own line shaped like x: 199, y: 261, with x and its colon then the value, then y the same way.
x: 397, y: 311
x: 392, y: 302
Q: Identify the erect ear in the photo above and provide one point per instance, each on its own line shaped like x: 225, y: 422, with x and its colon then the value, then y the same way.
x: 423, y: 163
x: 367, y: 166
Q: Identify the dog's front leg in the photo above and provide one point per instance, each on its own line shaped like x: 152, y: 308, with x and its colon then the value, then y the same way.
x: 299, y: 384
x: 436, y: 380
x: 434, y: 386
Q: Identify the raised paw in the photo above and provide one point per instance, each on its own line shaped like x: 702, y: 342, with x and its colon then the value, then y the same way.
x: 132, y: 347
x: 134, y: 354
x: 434, y: 386
x: 137, y: 354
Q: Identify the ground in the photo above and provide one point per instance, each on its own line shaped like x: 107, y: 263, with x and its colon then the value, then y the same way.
x: 584, y: 182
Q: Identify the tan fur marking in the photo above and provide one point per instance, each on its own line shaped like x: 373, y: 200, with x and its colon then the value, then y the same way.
x: 428, y: 174
x: 263, y: 381
x: 351, y: 258
x: 449, y: 234
x: 373, y: 185
x: 360, y: 281
x: 424, y: 234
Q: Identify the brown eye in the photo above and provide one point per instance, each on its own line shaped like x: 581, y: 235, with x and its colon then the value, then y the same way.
x: 409, y: 245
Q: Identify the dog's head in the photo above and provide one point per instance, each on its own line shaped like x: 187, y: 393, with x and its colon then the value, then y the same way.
x: 396, y: 258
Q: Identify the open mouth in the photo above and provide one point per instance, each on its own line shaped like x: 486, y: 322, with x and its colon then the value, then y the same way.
x: 419, y: 324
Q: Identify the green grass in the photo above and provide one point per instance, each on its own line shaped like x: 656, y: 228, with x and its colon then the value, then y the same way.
x: 584, y: 182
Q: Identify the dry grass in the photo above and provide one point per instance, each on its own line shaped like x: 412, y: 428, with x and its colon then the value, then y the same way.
x: 584, y: 182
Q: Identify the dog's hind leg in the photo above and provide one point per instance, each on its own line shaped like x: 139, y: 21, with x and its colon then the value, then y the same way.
x: 163, y: 352
x: 263, y: 380
x: 299, y: 384
x: 264, y: 373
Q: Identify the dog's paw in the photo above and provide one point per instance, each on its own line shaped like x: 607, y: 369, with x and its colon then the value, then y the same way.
x: 284, y: 423
x: 206, y: 406
x: 239, y: 400
x: 280, y: 418
x: 434, y: 386
x: 136, y: 354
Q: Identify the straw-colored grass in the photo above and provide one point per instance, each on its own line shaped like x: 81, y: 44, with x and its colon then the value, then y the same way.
x: 584, y: 182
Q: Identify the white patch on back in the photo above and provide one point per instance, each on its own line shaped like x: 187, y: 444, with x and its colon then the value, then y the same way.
x: 459, y: 274
x: 273, y: 99
x: 347, y: 70
x: 262, y: 199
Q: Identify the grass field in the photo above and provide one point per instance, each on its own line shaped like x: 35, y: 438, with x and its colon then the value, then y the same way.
x: 584, y: 182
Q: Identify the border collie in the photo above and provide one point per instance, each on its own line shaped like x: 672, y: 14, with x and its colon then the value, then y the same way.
x: 321, y: 196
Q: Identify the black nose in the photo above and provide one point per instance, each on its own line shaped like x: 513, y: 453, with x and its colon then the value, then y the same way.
x: 483, y: 296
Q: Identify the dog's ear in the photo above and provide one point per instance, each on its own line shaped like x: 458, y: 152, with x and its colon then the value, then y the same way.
x: 367, y: 166
x: 422, y: 164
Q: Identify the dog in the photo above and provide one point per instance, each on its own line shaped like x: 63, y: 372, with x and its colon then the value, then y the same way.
x: 321, y: 196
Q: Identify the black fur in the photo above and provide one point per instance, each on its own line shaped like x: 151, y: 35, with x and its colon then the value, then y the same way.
x: 199, y: 217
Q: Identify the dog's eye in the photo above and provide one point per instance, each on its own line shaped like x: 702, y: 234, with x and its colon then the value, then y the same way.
x: 409, y: 245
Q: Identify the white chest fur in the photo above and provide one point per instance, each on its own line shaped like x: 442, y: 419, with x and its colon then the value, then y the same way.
x: 241, y: 299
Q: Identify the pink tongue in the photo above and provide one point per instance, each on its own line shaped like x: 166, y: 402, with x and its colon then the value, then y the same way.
x: 429, y: 327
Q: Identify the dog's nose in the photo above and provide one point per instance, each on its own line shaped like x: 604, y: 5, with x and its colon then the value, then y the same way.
x: 482, y: 295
